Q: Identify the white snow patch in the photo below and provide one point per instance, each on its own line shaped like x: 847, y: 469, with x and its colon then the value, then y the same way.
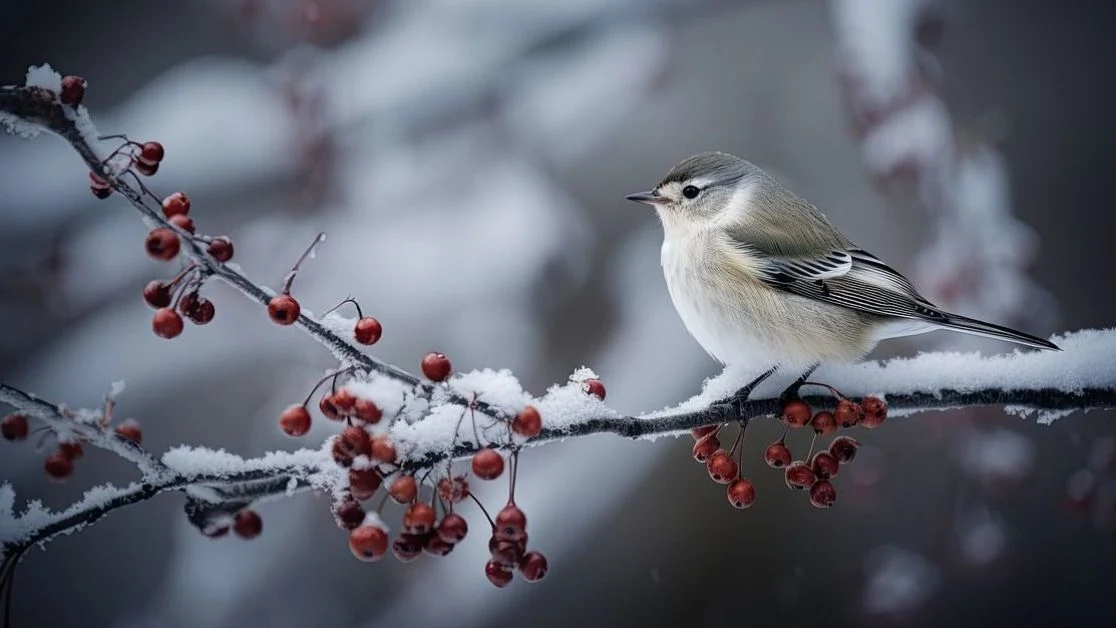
x: 44, y: 76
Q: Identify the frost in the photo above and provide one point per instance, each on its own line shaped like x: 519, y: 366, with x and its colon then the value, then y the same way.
x: 372, y: 518
x: 116, y: 389
x: 498, y: 388
x: 192, y: 462
x: 44, y: 76
x: 343, y: 326
x: 18, y: 126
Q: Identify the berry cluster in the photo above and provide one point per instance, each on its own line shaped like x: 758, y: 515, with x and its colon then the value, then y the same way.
x: 814, y: 472
x: 59, y: 463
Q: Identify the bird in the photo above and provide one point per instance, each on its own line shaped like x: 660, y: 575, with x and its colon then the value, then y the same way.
x: 761, y: 278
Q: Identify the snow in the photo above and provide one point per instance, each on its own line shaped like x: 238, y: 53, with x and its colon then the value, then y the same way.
x: 36, y: 516
x: 116, y: 389
x: 199, y: 462
x: 390, y: 395
x: 44, y: 76
x: 499, y: 388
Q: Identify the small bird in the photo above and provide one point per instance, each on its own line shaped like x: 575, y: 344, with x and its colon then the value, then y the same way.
x: 762, y: 279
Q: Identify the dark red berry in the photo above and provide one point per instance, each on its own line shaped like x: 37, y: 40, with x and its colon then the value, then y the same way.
x: 202, y: 312
x: 705, y: 447
x: 184, y: 223
x: 847, y: 413
x: 404, y: 489
x: 283, y: 309
x: 704, y: 430
x: 824, y: 423
x: 347, y: 513
x: 364, y: 483
x: 58, y: 466
x: 343, y: 400
x: 247, y: 524
x: 368, y: 543
x: 383, y: 451
x: 73, y: 450
x: 511, y: 523
x: 73, y: 90
x: 875, y: 411
x: 453, y: 489
x: 436, y: 366
x: 349, y: 444
x: 130, y: 429
x: 799, y: 475
x: 741, y: 493
x: 722, y: 468
x: 777, y: 455
x: 796, y: 413
x: 368, y: 331
x: 101, y: 193
x: 528, y: 422
x: 221, y: 249
x: 188, y: 302
x: 419, y: 518
x: 329, y: 411
x: 843, y: 449
x: 157, y: 294
x: 367, y: 411
x: 176, y: 204
x: 453, y: 528
x: 151, y: 153
x: 594, y: 387
x: 407, y: 547
x: 162, y: 244
x: 822, y: 494
x: 166, y: 323
x: 825, y: 465
x: 436, y: 546
x: 147, y: 170
x: 295, y: 420
x: 506, y: 551
x: 488, y: 464
x: 15, y: 427
x: 499, y: 575
x: 533, y: 566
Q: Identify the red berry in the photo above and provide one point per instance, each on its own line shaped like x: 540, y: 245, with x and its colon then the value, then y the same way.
x: 73, y: 450
x: 436, y: 366
x: 58, y: 466
x: 383, y: 450
x: 283, y: 309
x: 453, y: 489
x: 824, y: 423
x: 777, y: 455
x: 295, y: 420
x: 343, y: 400
x: 419, y: 518
x: 507, y: 552
x: 364, y: 483
x: 847, y: 413
x: 184, y: 223
x: 404, y: 489
x: 188, y: 302
x: 436, y: 546
x: 15, y: 427
x: 533, y: 566
x: 130, y: 429
x: 799, y: 475
x: 157, y: 294
x: 822, y: 494
x: 73, y: 90
x: 528, y: 422
x: 162, y: 244
x: 367, y: 411
x: 704, y: 430
x: 875, y: 411
x: 488, y: 464
x: 722, y: 468
x: 347, y: 513
x: 166, y: 323
x: 511, y: 524
x: 202, y: 312
x: 825, y: 465
x: 147, y: 170
x: 176, y: 204
x: 349, y: 444
x: 368, y: 331
x: 368, y: 543
x: 407, y: 547
x: 247, y: 524
x: 741, y: 493
x: 705, y: 447
x: 796, y: 413
x: 499, y: 575
x: 843, y: 449
x: 594, y: 387
x: 151, y: 153
x: 221, y: 249
x: 329, y: 411
x: 101, y: 193
x: 453, y: 528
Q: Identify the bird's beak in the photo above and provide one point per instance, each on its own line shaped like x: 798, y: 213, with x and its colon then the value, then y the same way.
x: 649, y: 198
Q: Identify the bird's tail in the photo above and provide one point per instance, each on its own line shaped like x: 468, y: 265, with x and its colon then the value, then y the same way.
x: 980, y: 328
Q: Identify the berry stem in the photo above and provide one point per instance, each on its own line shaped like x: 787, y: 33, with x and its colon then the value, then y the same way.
x: 813, y: 441
x: 333, y: 374
x: 347, y: 300
x: 833, y: 391
x: 514, y: 458
x: 302, y: 258
x: 482, y: 509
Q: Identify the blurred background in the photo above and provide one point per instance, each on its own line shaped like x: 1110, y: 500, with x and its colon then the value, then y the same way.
x: 468, y: 160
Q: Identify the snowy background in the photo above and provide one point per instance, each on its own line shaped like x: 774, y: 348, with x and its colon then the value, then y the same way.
x: 469, y: 160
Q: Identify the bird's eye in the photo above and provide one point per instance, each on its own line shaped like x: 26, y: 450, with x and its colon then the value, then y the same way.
x: 691, y: 191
